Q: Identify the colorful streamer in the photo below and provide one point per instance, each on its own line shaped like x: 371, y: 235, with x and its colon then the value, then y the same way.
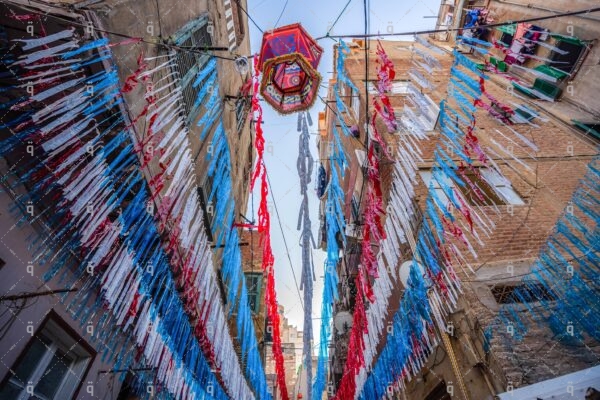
x: 86, y: 167
x: 264, y: 229
x: 304, y: 166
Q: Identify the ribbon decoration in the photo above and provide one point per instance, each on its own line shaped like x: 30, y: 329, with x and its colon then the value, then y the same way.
x: 84, y: 163
x: 335, y: 224
x: 401, y: 218
x: 304, y: 166
x: 412, y: 335
x: 373, y: 231
x: 168, y: 145
x: 564, y: 278
x: 264, y: 229
x: 231, y: 272
x: 259, y: 139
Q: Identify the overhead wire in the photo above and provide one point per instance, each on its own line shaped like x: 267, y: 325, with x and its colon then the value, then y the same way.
x: 327, y: 35
x: 337, y: 19
x: 281, y: 14
x: 126, y: 36
x: 287, y: 250
x: 429, y: 31
x: 239, y: 4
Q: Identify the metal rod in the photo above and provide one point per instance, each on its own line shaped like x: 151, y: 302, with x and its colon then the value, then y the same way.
x: 114, y: 371
x: 36, y: 294
x: 214, y: 246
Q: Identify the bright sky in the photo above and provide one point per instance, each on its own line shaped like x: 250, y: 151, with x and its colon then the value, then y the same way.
x: 280, y: 131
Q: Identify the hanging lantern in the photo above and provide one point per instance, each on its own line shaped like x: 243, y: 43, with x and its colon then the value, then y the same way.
x: 288, y: 60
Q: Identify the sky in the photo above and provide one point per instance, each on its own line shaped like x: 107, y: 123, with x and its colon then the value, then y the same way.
x: 281, y: 137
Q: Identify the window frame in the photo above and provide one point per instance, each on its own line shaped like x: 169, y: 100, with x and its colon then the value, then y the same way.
x: 355, y: 103
x: 64, y: 338
x: 523, y: 115
x: 207, y: 204
x: 429, y: 120
x: 242, y: 109
x: 191, y: 35
x: 499, y: 185
x: 503, y: 293
x: 399, y: 88
x: 254, y: 290
x: 355, y: 208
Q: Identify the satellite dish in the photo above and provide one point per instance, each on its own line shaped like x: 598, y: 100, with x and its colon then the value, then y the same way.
x: 342, y: 322
x: 405, y: 271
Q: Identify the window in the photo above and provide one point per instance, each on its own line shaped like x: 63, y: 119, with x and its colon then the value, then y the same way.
x: 523, y: 115
x: 238, y: 24
x: 398, y: 87
x: 420, y: 112
x: 350, y: 99
x: 505, y: 115
x: 493, y: 188
x: 361, y: 156
x: 522, y: 293
x: 571, y: 53
x: 288, y: 349
x: 54, y: 364
x: 589, y: 128
x: 194, y: 35
x: 254, y: 285
x: 242, y: 106
x: 440, y: 392
x: 502, y: 186
x: 355, y: 103
x: 206, y: 202
x: 355, y: 208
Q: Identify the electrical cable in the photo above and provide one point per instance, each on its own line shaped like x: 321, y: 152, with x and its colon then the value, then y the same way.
x: 429, y: 31
x: 366, y: 12
x: 249, y: 17
x: 281, y: 14
x: 337, y: 19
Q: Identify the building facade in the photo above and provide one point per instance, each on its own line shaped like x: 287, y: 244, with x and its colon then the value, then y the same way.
x: 118, y: 122
x: 291, y: 342
x: 479, y: 360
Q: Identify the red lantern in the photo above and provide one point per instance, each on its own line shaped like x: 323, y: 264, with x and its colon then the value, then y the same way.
x: 289, y: 59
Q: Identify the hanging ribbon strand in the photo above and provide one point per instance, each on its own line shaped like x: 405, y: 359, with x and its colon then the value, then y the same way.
x: 373, y: 232
x: 304, y: 166
x: 264, y: 229
x: 564, y: 278
x: 178, y: 208
x: 85, y: 165
x: 335, y: 226
x: 438, y: 243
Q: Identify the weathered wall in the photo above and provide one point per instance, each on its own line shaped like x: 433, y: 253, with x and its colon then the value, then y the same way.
x: 519, y: 232
x: 151, y: 20
x: 586, y: 84
x: 15, y: 239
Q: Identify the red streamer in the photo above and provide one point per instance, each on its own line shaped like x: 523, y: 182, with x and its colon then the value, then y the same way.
x: 184, y: 262
x: 264, y: 229
x: 372, y: 230
x: 132, y: 80
x: 259, y: 141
